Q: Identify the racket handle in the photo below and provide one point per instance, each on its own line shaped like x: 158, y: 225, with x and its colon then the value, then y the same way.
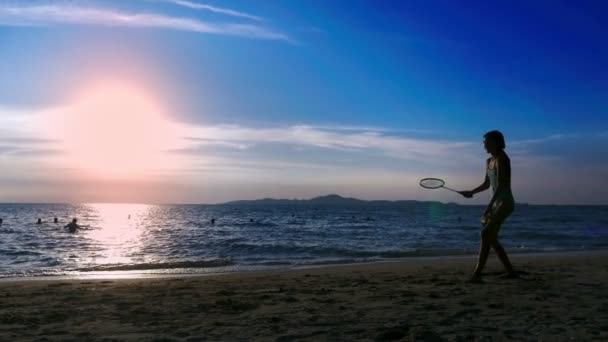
x: 445, y: 187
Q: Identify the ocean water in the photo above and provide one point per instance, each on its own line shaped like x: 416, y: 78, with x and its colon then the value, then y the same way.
x: 128, y: 238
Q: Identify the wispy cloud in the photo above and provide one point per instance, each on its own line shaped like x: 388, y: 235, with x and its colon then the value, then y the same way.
x: 339, y: 139
x: 548, y: 138
x: 369, y: 129
x: 214, y: 9
x: 365, y: 160
x: 363, y: 146
x: 65, y: 14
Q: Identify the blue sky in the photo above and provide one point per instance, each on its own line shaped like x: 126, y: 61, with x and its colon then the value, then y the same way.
x: 302, y: 98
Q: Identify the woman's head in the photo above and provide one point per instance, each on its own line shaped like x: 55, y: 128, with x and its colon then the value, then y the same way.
x: 494, y: 141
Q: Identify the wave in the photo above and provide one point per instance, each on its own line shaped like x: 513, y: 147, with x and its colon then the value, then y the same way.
x: 544, y: 236
x: 320, y: 251
x: 559, y: 219
x: 158, y: 266
x: 254, y: 224
x: 18, y: 253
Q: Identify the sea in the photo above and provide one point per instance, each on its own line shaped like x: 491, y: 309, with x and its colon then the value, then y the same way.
x: 138, y: 239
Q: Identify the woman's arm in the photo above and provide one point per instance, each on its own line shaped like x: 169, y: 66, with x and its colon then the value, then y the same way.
x: 483, y: 187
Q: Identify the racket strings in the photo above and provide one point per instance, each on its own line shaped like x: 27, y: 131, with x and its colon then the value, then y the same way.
x: 432, y: 183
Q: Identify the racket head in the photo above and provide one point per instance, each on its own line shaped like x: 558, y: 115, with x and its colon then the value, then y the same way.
x: 432, y: 183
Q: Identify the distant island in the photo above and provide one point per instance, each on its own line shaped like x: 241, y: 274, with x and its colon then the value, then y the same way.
x: 332, y: 199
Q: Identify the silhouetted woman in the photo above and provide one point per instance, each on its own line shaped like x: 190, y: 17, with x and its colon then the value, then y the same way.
x: 498, y: 176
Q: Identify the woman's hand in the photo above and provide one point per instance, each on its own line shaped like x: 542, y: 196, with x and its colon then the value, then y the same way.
x: 467, y: 194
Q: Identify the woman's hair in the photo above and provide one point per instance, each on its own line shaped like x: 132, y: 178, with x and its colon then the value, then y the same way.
x: 497, y: 137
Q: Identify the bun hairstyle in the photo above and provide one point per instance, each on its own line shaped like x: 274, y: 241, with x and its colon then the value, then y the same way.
x: 497, y: 137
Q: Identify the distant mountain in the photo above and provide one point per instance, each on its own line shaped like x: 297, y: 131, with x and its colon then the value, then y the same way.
x: 335, y: 199
x: 332, y: 199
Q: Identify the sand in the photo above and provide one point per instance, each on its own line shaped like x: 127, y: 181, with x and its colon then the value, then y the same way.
x: 563, y: 297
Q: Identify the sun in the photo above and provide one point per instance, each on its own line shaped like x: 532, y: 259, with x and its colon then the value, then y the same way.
x: 116, y: 129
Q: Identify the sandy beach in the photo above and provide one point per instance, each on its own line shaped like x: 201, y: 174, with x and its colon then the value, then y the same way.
x: 561, y: 297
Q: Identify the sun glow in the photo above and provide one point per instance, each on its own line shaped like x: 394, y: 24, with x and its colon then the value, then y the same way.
x: 116, y: 129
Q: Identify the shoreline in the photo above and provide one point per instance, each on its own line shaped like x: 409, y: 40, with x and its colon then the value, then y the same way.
x: 267, y: 269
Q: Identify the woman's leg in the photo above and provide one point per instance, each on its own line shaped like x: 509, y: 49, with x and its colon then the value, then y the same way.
x: 500, y: 214
x: 484, y: 251
x: 502, y: 255
x: 489, y: 238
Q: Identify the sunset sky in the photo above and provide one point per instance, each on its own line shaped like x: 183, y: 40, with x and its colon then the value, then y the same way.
x: 175, y: 101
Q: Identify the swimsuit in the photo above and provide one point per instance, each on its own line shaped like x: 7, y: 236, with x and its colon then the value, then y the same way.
x: 503, y: 203
x: 504, y: 196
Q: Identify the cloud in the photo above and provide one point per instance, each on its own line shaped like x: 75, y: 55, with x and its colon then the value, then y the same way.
x: 65, y: 14
x: 369, y: 161
x: 346, y: 139
x: 336, y: 145
x: 208, y: 142
x: 370, y: 129
x: 214, y: 9
x: 24, y: 140
x: 20, y: 144
x: 552, y: 137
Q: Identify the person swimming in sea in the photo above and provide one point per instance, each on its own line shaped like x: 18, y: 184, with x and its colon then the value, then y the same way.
x: 498, y: 176
x: 72, y: 226
x: 39, y: 221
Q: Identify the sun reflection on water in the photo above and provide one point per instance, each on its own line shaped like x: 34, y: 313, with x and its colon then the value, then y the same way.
x: 118, y: 231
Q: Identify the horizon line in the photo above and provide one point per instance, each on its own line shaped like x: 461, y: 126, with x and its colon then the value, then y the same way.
x: 292, y: 199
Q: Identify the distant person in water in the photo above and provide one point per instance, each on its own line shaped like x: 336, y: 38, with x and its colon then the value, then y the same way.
x: 72, y: 226
x: 212, y: 221
x: 39, y: 221
x: 498, y: 176
x: 55, y: 220
x: 1, y: 221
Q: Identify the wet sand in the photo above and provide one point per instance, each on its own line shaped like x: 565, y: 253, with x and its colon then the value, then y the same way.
x: 560, y: 298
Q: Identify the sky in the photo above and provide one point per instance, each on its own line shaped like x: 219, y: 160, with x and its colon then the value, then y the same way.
x: 176, y: 101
